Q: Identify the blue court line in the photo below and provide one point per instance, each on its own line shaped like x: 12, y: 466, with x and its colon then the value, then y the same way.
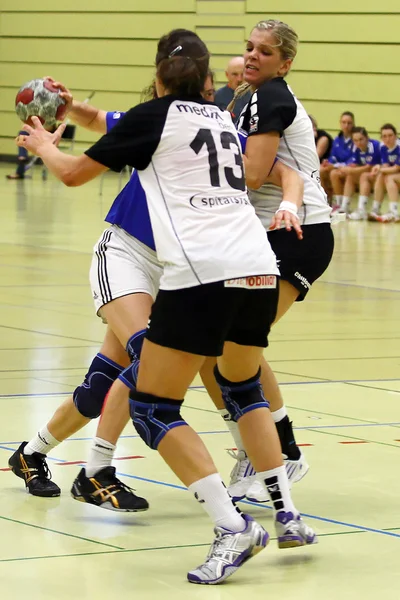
x: 201, y: 387
x: 180, y: 487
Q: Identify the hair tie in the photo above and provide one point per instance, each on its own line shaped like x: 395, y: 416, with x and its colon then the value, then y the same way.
x: 177, y: 49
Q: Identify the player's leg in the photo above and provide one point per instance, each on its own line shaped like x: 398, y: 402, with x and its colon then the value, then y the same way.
x: 392, y: 183
x: 325, y: 172
x: 164, y: 377
x: 366, y: 182
x: 85, y: 404
x: 127, y: 315
x: 379, y: 195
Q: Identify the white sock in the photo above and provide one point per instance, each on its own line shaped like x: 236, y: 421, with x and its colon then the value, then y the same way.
x: 277, y: 485
x: 362, y: 203
x: 279, y: 414
x: 43, y: 442
x: 100, y: 455
x: 393, y: 208
x: 345, y: 202
x: 337, y: 199
x: 376, y: 206
x: 213, y: 496
x: 233, y: 428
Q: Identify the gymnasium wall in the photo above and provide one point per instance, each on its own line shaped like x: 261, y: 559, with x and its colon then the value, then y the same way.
x: 349, y: 57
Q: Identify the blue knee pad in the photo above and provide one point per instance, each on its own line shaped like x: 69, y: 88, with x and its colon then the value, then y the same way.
x: 243, y: 396
x: 133, y: 348
x: 90, y: 395
x: 134, y: 345
x: 153, y: 417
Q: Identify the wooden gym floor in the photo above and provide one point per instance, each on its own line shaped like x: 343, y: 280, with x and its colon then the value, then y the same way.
x: 337, y: 357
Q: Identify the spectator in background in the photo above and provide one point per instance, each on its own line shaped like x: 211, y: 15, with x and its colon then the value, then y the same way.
x: 331, y: 178
x: 323, y: 141
x: 22, y: 160
x: 224, y: 96
x: 387, y: 175
x: 366, y: 153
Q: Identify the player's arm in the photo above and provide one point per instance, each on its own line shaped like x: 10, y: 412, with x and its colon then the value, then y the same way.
x: 259, y: 158
x: 81, y: 113
x: 354, y: 168
x: 71, y: 170
x: 292, y: 185
x: 322, y: 145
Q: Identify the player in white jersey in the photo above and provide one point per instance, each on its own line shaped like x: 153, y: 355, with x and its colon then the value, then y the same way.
x: 218, y: 291
x: 124, y: 276
x: 278, y: 126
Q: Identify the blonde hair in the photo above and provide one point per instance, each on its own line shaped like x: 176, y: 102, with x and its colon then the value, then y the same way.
x: 287, y: 40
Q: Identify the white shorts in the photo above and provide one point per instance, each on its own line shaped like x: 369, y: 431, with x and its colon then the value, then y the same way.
x: 122, y: 265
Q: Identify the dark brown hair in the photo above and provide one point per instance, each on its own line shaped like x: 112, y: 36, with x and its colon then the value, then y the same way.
x: 361, y: 130
x: 182, y: 62
x: 389, y: 126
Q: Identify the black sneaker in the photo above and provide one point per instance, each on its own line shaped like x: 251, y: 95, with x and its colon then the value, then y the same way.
x: 107, y: 491
x: 33, y: 469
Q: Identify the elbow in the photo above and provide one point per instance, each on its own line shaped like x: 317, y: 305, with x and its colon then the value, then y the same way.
x: 254, y: 183
x: 69, y: 179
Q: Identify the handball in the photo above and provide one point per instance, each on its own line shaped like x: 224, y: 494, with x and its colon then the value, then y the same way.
x: 39, y: 98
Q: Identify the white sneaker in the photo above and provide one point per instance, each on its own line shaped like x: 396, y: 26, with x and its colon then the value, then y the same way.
x: 358, y: 215
x: 242, y: 475
x: 296, y: 469
x: 292, y: 531
x: 229, y: 551
x: 257, y: 492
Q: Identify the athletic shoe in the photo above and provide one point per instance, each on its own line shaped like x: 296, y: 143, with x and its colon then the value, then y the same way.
x: 291, y: 531
x: 374, y: 216
x: 389, y: 217
x: 257, y: 492
x: 357, y: 215
x: 242, y: 475
x: 296, y: 469
x: 229, y: 551
x: 107, y: 491
x: 33, y: 469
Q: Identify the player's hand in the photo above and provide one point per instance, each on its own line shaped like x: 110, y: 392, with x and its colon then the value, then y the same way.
x: 375, y: 169
x: 325, y: 163
x: 65, y: 93
x: 38, y: 137
x: 289, y: 220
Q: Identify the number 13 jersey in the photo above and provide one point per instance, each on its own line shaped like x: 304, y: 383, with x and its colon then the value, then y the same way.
x: 190, y: 165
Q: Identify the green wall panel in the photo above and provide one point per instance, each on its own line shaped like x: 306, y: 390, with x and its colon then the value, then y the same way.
x: 310, y: 6
x: 99, y: 6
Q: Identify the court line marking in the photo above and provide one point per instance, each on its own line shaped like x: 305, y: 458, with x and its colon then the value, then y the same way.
x: 71, y: 535
x: 57, y: 335
x: 364, y: 287
x: 194, y: 388
x: 315, y: 517
x: 155, y: 548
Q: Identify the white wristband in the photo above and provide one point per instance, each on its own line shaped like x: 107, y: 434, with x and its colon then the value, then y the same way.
x: 288, y: 207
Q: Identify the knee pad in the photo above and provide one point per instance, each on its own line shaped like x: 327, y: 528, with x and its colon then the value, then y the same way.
x: 243, y: 396
x: 153, y: 417
x: 130, y: 374
x: 90, y: 395
x: 134, y: 345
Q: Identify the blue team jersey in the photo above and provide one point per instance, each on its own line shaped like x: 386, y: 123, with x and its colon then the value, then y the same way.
x: 129, y: 209
x: 390, y: 156
x: 372, y: 156
x: 341, y: 150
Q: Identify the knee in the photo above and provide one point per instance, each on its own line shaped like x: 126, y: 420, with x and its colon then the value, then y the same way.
x: 89, y: 397
x: 241, y: 397
x: 154, y: 417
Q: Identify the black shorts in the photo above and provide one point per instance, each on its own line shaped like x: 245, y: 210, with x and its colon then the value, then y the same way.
x: 301, y: 262
x: 201, y: 319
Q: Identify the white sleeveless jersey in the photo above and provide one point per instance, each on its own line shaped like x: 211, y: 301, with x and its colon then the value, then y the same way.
x: 273, y: 107
x: 190, y: 165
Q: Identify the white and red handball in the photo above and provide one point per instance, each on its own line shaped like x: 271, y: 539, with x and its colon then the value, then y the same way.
x: 39, y: 98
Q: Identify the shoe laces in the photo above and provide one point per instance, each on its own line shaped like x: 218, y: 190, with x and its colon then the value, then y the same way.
x: 242, y: 463
x: 114, y: 482
x: 41, y: 467
x: 219, y: 546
